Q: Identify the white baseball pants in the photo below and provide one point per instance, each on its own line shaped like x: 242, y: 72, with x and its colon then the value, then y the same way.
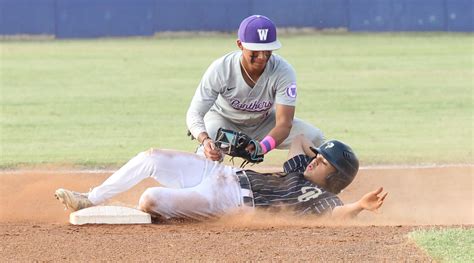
x: 192, y: 187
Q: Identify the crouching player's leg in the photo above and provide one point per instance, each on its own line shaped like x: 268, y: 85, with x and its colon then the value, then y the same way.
x: 170, y: 168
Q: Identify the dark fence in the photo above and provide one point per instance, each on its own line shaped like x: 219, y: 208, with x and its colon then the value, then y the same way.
x: 101, y: 18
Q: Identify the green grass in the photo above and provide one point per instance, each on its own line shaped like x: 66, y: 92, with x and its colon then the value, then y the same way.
x: 396, y: 98
x: 446, y: 245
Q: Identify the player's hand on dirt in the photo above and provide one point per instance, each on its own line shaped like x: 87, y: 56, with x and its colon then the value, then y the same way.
x: 373, y: 200
x: 211, y: 151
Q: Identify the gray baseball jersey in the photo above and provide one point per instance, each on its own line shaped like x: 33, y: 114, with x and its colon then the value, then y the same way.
x: 224, y: 90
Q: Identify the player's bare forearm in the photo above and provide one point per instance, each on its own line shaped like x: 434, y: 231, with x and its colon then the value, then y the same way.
x: 370, y: 201
x: 283, y: 123
x: 202, y: 136
x: 280, y: 133
x: 347, y: 211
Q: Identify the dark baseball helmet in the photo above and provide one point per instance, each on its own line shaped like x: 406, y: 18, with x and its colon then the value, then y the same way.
x: 343, y: 158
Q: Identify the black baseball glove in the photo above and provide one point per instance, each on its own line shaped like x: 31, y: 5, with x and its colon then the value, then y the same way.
x: 235, y: 144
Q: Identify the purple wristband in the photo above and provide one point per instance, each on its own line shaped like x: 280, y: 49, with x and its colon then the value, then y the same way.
x: 268, y: 144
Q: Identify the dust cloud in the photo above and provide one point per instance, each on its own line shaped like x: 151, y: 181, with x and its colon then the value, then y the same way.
x: 417, y: 196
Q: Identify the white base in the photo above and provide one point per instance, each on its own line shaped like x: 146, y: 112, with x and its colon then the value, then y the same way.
x: 109, y: 215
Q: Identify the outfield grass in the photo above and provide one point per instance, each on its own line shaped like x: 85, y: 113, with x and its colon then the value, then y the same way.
x: 446, y: 245
x: 397, y: 98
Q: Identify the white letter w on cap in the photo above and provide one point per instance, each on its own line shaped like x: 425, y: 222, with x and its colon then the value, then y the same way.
x: 262, y: 34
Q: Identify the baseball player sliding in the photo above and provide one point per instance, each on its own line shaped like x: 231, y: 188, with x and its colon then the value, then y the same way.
x: 251, y: 90
x: 198, y: 188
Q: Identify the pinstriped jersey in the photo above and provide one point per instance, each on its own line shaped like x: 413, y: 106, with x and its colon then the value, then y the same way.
x: 290, y: 191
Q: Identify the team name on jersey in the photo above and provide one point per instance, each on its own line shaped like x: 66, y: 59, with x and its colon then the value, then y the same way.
x: 254, y: 106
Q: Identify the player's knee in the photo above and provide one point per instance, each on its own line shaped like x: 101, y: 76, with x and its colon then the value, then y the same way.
x: 316, y: 137
x: 151, y: 151
x: 147, y: 201
x: 299, y: 138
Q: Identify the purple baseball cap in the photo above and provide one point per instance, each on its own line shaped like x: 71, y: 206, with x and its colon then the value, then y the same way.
x: 258, y: 33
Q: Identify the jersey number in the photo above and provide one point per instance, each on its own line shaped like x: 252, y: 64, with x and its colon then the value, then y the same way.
x: 309, y: 193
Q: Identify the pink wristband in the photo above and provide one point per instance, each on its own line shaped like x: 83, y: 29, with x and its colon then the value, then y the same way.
x: 268, y: 144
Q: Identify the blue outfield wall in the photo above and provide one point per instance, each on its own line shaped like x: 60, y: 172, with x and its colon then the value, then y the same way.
x: 93, y: 18
x: 459, y: 15
x: 199, y: 15
x: 304, y: 13
x: 27, y: 17
x: 103, y: 18
x: 411, y: 15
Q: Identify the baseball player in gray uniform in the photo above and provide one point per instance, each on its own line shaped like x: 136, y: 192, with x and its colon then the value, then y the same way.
x: 197, y: 188
x: 250, y: 90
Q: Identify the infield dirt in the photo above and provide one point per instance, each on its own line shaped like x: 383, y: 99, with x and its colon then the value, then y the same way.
x: 34, y: 225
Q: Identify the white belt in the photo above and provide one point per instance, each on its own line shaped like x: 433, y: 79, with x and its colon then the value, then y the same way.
x: 245, y: 188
